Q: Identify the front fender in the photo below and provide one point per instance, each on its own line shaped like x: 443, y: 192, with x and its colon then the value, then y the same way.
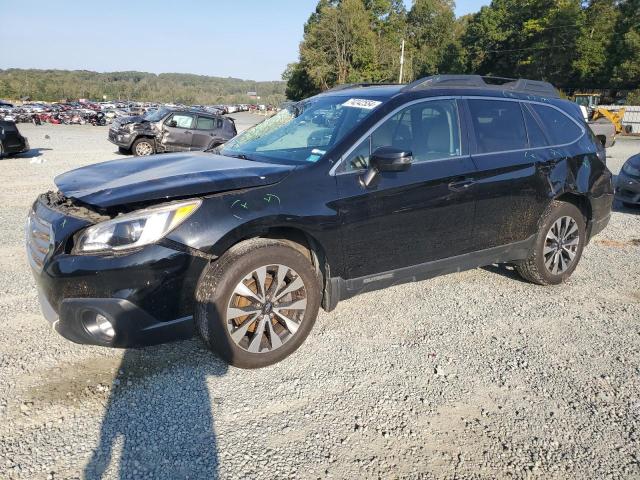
x: 228, y: 218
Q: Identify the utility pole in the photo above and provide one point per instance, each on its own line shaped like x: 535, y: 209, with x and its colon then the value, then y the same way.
x: 401, y: 62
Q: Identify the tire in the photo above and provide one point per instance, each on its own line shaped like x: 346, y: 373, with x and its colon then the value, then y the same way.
x: 143, y: 146
x: 124, y: 151
x: 1, y: 151
x: 535, y: 268
x: 217, y: 299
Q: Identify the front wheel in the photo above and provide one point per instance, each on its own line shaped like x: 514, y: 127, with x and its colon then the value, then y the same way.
x: 143, y: 147
x: 257, y: 303
x: 558, y: 245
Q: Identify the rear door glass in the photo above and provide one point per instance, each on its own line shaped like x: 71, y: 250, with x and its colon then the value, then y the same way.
x: 560, y: 129
x: 537, y: 137
x: 205, y: 123
x: 498, y: 125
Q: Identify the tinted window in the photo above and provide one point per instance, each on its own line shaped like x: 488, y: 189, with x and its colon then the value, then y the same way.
x: 536, y: 135
x: 219, y: 123
x: 429, y: 130
x: 498, y: 125
x: 205, y: 123
x: 182, y: 120
x: 560, y: 128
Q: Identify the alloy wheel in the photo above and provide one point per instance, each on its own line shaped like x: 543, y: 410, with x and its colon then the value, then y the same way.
x: 561, y: 245
x: 143, y: 149
x: 266, y: 308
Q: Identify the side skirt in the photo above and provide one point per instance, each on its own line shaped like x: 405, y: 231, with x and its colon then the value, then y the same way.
x: 342, y: 289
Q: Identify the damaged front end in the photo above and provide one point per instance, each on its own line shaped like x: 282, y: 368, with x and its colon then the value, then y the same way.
x: 117, y: 297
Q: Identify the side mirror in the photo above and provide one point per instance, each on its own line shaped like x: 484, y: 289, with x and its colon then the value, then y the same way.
x: 386, y: 159
x: 173, y: 124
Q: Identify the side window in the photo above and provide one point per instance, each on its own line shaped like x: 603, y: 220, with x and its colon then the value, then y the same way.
x: 181, y: 120
x: 205, y: 123
x: 219, y: 123
x: 429, y: 130
x: 537, y: 137
x: 560, y: 128
x: 498, y: 125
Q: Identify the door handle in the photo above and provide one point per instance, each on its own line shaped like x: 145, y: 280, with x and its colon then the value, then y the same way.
x: 187, y: 131
x: 461, y: 184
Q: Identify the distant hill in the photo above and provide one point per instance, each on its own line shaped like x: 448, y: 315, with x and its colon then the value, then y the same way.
x: 56, y: 85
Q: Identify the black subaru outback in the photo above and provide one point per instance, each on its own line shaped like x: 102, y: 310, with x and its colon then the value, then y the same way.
x: 350, y: 191
x: 170, y: 130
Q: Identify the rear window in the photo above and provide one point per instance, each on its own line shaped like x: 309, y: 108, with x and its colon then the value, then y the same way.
x: 560, y: 128
x: 498, y: 125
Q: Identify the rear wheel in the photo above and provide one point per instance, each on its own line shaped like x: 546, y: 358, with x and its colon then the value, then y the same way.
x: 257, y: 303
x: 143, y: 147
x: 558, y: 245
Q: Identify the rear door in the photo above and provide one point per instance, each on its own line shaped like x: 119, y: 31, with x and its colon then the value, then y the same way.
x: 510, y: 191
x: 178, y: 131
x: 408, y: 218
x: 206, y: 130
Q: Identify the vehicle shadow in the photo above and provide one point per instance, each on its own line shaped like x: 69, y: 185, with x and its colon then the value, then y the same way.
x: 158, y: 421
x: 506, y: 270
x: 32, y: 153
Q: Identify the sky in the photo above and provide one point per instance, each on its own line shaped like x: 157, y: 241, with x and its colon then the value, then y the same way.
x: 250, y: 39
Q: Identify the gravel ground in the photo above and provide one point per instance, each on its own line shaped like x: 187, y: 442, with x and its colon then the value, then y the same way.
x: 471, y: 375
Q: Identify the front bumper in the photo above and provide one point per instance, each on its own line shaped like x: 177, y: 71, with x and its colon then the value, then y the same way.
x: 628, y: 188
x: 121, y: 138
x: 147, y: 295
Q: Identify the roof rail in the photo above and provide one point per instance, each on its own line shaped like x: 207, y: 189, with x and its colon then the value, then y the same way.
x: 531, y: 87
x: 346, y: 86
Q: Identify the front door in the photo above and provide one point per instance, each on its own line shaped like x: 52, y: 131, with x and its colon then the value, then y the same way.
x: 177, y: 132
x: 407, y: 218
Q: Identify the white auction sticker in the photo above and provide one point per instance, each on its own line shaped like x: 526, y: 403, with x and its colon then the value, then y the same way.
x: 361, y: 103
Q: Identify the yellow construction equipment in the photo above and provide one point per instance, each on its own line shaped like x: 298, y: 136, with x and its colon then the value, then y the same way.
x: 614, y: 116
x: 589, y: 102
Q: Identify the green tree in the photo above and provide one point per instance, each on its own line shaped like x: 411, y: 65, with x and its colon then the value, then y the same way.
x: 595, y: 42
x: 431, y: 26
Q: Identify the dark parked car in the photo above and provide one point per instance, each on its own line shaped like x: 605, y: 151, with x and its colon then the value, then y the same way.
x: 11, y: 141
x: 628, y: 182
x: 353, y: 190
x: 171, y: 130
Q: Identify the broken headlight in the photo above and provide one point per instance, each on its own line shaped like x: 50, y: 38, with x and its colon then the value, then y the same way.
x: 135, y: 229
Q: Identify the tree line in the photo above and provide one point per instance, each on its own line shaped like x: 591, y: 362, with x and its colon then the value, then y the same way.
x: 575, y: 44
x: 57, y: 85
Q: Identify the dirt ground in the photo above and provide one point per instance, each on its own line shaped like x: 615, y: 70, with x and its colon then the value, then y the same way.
x: 470, y: 375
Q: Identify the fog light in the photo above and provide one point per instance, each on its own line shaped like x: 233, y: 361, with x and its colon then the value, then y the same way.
x: 98, y: 326
x: 105, y: 327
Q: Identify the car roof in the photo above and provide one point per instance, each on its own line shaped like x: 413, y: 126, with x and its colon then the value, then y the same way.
x: 468, y: 85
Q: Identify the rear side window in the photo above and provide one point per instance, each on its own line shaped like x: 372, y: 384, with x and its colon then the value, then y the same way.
x: 205, y: 123
x: 560, y: 128
x: 536, y: 135
x: 498, y: 125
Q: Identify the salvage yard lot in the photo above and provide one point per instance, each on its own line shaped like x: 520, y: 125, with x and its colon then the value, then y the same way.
x: 477, y: 374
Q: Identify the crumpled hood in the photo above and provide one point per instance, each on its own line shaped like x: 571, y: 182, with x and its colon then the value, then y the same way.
x: 165, y: 176
x: 119, y: 121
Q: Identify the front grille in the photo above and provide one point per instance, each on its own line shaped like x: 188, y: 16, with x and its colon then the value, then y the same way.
x: 39, y: 240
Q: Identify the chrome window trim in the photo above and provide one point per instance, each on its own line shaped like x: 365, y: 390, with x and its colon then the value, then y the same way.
x: 333, y: 172
x: 368, y: 133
